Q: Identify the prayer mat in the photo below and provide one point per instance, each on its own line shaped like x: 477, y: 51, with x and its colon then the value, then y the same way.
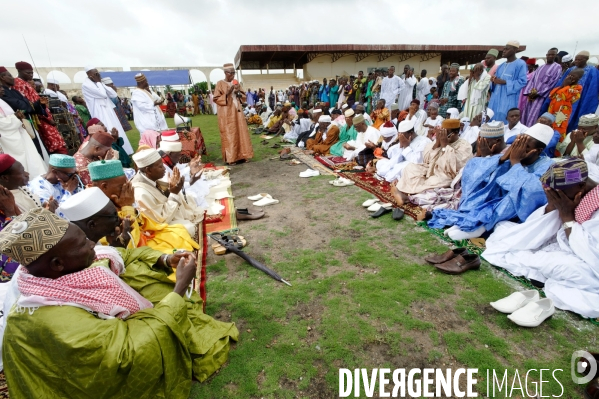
x: 336, y: 163
x: 201, y: 259
x: 380, y: 189
x: 473, y: 247
x: 3, y: 386
x: 226, y: 221
x: 312, y: 163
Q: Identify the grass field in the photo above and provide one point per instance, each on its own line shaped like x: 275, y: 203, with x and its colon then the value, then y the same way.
x: 209, y: 126
x: 362, y: 298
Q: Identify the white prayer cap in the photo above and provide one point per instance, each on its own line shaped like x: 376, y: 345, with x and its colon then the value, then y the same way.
x: 584, y: 53
x: 146, y: 157
x: 513, y: 43
x: 490, y: 113
x: 541, y: 132
x: 453, y: 113
x: 344, y: 106
x: 106, y: 80
x: 83, y: 204
x: 89, y: 68
x: 465, y: 119
x: 567, y: 58
x: 406, y: 125
x: 349, y: 112
x: 389, y: 129
x: 52, y: 81
x: 317, y: 110
x: 324, y: 119
x: 171, y: 146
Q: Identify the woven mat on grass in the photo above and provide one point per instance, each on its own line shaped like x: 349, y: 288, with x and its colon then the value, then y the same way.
x: 312, y: 163
x: 380, y: 189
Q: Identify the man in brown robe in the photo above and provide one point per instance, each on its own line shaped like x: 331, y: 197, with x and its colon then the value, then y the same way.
x: 443, y: 159
x: 235, y: 138
x: 326, y: 136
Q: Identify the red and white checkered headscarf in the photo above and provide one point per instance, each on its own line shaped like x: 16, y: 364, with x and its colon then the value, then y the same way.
x: 588, y: 205
x: 95, y: 289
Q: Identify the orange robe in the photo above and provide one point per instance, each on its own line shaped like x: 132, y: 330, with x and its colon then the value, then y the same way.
x: 560, y: 106
x: 234, y: 134
x: 320, y: 146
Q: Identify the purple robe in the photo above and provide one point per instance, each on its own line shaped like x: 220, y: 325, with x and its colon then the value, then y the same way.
x: 543, y: 79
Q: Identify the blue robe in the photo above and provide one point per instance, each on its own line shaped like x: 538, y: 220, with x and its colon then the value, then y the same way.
x: 589, y: 98
x: 492, y: 192
x: 504, y: 97
x: 323, y: 93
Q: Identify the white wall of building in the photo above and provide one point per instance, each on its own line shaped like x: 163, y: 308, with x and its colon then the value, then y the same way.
x: 322, y: 67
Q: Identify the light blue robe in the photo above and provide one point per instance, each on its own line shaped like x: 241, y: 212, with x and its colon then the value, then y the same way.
x: 492, y: 192
x: 504, y: 97
x: 589, y: 98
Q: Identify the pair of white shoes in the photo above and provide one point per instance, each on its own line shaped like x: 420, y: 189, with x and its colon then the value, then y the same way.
x: 309, y: 173
x: 526, y: 308
x: 341, y: 182
x: 263, y: 199
x: 374, y: 205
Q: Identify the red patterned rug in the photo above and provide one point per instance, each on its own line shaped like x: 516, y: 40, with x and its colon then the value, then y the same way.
x: 336, y: 163
x: 380, y: 189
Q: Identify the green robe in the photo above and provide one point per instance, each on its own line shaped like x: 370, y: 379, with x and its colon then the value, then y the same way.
x: 344, y: 136
x: 334, y: 96
x: 368, y: 96
x: 67, y: 352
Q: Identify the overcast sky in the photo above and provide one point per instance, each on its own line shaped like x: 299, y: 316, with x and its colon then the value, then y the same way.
x: 197, y: 32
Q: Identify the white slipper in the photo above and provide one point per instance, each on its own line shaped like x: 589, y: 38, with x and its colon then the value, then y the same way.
x: 266, y: 201
x: 309, y: 173
x: 533, y: 314
x: 376, y: 206
x: 370, y: 202
x: 515, y: 301
x: 341, y: 182
x: 258, y: 197
x: 332, y: 182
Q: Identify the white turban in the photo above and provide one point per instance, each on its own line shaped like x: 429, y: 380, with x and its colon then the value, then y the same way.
x: 388, y: 131
x: 324, y: 119
x: 89, y: 68
x: 146, y: 158
x: 171, y: 146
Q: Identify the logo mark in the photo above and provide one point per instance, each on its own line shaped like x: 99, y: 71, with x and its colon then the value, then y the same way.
x: 581, y: 361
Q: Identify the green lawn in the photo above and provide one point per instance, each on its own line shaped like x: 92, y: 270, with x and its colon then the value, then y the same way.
x: 209, y: 126
x: 363, y: 298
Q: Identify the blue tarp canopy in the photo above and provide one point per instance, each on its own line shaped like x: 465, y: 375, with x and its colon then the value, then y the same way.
x: 155, y: 78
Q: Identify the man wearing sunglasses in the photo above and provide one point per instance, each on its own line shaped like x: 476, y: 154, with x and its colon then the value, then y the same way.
x: 60, y: 182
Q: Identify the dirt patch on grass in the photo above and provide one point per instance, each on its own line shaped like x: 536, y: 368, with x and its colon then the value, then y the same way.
x: 442, y: 314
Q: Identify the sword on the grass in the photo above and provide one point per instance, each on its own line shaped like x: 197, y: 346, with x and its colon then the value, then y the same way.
x: 253, y: 262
